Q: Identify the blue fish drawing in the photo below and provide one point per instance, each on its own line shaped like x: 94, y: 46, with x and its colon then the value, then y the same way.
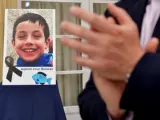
x: 40, y: 78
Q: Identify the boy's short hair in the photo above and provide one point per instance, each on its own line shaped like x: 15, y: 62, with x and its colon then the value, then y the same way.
x: 33, y: 18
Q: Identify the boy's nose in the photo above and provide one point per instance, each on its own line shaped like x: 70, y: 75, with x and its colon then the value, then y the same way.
x: 29, y: 41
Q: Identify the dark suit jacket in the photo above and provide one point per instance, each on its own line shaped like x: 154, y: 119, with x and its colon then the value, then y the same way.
x: 30, y: 103
x: 142, y: 94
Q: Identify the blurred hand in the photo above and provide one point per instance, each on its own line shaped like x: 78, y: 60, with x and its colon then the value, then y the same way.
x: 111, y: 91
x: 113, y: 48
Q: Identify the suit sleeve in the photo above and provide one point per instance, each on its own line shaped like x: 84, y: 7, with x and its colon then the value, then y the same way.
x: 90, y: 103
x: 143, y: 89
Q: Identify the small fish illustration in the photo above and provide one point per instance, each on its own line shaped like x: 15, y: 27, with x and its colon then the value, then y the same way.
x: 40, y: 78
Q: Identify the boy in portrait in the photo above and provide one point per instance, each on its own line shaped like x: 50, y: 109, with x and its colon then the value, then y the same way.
x: 30, y: 39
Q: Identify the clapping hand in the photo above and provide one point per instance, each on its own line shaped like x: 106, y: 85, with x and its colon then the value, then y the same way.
x: 112, y: 49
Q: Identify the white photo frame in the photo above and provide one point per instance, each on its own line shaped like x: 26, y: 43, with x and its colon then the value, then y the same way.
x: 29, y: 50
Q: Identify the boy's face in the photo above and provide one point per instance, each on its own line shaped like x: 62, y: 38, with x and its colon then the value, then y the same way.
x: 30, y: 41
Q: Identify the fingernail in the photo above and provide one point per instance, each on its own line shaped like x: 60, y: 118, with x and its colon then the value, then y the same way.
x: 63, y: 24
x: 63, y: 38
x: 73, y: 8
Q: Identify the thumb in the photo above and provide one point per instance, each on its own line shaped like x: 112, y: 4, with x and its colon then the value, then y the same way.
x: 152, y: 45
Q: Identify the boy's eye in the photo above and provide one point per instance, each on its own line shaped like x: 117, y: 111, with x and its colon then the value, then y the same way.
x: 36, y: 36
x: 22, y: 36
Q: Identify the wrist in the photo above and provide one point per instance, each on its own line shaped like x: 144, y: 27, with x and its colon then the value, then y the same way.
x: 134, y: 62
x: 114, y: 93
x: 116, y: 115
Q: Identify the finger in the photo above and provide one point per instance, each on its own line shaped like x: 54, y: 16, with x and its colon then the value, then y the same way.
x: 97, y: 22
x: 78, y: 45
x: 92, y: 29
x: 152, y: 45
x: 120, y: 14
x: 111, y: 20
x: 79, y: 31
x: 84, y: 61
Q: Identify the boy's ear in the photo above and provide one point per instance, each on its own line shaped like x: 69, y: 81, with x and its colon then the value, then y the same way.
x: 48, y: 42
x: 13, y: 42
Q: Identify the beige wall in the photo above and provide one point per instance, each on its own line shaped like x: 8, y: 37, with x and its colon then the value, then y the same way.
x: 3, y: 5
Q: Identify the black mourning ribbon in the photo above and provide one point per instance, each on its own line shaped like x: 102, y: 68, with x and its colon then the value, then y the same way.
x: 9, y: 62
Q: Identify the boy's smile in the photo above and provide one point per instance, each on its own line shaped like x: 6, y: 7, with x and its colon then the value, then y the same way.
x: 30, y: 41
x: 29, y: 49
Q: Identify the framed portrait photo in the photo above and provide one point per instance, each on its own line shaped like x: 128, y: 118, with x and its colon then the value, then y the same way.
x: 29, y: 47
